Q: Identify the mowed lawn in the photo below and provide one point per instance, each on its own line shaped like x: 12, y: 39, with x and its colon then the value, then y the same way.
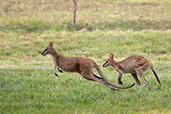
x: 132, y: 27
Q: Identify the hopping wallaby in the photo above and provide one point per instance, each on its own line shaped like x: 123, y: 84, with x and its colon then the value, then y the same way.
x: 82, y: 65
x: 133, y: 64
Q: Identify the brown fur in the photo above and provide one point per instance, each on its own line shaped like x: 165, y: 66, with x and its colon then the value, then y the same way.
x: 133, y: 64
x: 82, y: 65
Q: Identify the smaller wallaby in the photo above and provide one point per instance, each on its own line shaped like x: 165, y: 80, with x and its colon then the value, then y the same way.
x: 82, y: 65
x: 133, y: 64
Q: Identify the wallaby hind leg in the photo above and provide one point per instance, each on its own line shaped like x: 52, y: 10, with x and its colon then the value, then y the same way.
x: 93, y: 77
x: 141, y: 74
x: 155, y: 74
x: 88, y: 74
x: 104, y: 82
x: 134, y: 75
x: 97, y: 76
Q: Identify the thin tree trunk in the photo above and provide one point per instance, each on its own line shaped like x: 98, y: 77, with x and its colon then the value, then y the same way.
x: 74, y: 14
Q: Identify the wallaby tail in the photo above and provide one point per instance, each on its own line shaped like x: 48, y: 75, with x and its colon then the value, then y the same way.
x: 107, y: 81
x: 154, y: 72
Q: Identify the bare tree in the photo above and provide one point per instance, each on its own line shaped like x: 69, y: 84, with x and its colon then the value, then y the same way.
x: 74, y: 14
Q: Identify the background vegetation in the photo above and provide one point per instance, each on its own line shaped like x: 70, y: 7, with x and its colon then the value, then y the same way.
x: 127, y: 27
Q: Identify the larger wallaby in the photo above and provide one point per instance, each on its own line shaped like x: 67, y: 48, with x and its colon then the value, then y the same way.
x: 82, y: 65
x: 132, y: 64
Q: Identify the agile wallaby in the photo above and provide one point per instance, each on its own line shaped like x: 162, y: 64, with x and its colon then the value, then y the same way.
x: 132, y: 64
x: 82, y: 65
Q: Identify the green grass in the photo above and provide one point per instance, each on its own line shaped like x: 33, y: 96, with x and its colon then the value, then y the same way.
x: 27, y: 82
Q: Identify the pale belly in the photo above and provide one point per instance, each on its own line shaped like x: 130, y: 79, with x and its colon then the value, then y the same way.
x: 129, y: 69
x: 69, y: 67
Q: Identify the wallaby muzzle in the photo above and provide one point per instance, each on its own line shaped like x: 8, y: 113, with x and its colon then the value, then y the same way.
x: 45, y: 52
x: 106, y: 64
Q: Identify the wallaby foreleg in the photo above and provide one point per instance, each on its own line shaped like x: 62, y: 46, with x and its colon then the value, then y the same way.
x: 119, y: 78
x: 60, y: 70
x: 54, y: 70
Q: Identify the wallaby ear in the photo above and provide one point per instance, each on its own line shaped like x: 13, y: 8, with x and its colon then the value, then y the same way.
x: 111, y: 55
x: 51, y: 44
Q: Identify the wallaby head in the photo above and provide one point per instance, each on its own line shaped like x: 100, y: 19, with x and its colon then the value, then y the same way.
x: 109, y: 61
x: 49, y: 49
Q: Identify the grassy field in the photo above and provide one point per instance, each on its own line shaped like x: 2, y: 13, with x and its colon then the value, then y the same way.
x: 127, y: 27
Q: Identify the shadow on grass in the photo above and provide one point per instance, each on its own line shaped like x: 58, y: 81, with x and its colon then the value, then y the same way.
x: 136, y: 25
x: 37, y: 27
